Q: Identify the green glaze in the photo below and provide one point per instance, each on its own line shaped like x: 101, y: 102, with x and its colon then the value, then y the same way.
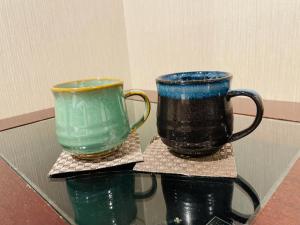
x: 107, y: 200
x: 91, y: 121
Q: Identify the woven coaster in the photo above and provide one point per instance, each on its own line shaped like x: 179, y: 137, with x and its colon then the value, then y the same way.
x: 158, y: 159
x: 129, y: 152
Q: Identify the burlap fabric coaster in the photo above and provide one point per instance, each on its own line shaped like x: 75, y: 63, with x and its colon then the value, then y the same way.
x: 129, y: 152
x: 158, y: 159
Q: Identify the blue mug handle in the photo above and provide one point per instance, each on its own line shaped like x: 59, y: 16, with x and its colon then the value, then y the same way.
x: 249, y: 190
x: 259, y: 111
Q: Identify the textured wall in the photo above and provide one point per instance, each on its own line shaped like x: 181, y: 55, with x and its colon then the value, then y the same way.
x: 45, y: 42
x: 258, y: 41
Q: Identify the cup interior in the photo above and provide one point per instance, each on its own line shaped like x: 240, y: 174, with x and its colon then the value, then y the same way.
x: 87, y: 83
x: 194, y: 76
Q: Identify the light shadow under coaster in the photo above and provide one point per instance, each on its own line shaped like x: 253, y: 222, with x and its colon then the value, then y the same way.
x: 158, y: 159
x: 129, y: 152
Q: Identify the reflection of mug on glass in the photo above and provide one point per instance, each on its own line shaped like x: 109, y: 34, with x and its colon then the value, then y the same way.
x: 194, y: 112
x: 108, y: 199
x: 91, y: 116
x: 195, y: 200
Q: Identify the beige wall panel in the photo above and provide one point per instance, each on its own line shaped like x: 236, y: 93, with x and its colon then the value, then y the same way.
x: 45, y: 42
x: 256, y: 40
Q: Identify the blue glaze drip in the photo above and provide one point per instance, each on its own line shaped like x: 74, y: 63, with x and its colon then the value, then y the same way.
x: 193, y: 85
x: 193, y: 91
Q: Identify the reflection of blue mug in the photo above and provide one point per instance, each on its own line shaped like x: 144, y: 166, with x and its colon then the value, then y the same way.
x: 108, y: 199
x: 192, y: 200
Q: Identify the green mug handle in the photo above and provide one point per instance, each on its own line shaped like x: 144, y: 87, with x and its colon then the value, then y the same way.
x: 142, y: 120
x: 148, y: 193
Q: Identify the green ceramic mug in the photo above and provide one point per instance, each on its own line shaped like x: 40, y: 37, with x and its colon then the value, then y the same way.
x: 91, y: 116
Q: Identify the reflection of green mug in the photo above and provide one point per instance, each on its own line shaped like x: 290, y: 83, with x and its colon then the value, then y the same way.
x: 108, y: 199
x: 91, y: 116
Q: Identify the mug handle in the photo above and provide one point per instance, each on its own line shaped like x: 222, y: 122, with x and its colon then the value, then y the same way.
x: 259, y: 111
x: 148, y: 193
x: 249, y: 190
x: 139, y: 123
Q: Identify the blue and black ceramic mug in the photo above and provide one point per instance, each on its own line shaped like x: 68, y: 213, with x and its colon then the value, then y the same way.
x: 194, y: 112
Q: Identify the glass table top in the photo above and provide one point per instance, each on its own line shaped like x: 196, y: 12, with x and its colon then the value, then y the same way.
x: 125, y: 197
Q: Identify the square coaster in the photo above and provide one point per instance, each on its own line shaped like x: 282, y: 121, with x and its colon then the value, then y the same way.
x: 158, y: 159
x: 129, y: 152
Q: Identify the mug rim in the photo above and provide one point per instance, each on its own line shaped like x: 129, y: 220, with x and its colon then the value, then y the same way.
x: 162, y: 79
x: 56, y: 88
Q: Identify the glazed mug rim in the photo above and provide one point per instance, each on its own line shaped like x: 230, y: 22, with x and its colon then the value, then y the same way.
x: 60, y: 87
x: 167, y: 78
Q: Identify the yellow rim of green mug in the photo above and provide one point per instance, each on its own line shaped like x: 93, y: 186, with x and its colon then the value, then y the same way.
x: 56, y: 87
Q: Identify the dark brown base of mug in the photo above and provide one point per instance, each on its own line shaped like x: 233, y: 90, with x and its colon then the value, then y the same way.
x: 191, y: 149
x: 98, y: 155
x: 94, y: 156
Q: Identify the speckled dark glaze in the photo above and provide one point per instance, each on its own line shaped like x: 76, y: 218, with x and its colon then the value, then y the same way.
x: 196, y: 200
x: 194, y: 112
